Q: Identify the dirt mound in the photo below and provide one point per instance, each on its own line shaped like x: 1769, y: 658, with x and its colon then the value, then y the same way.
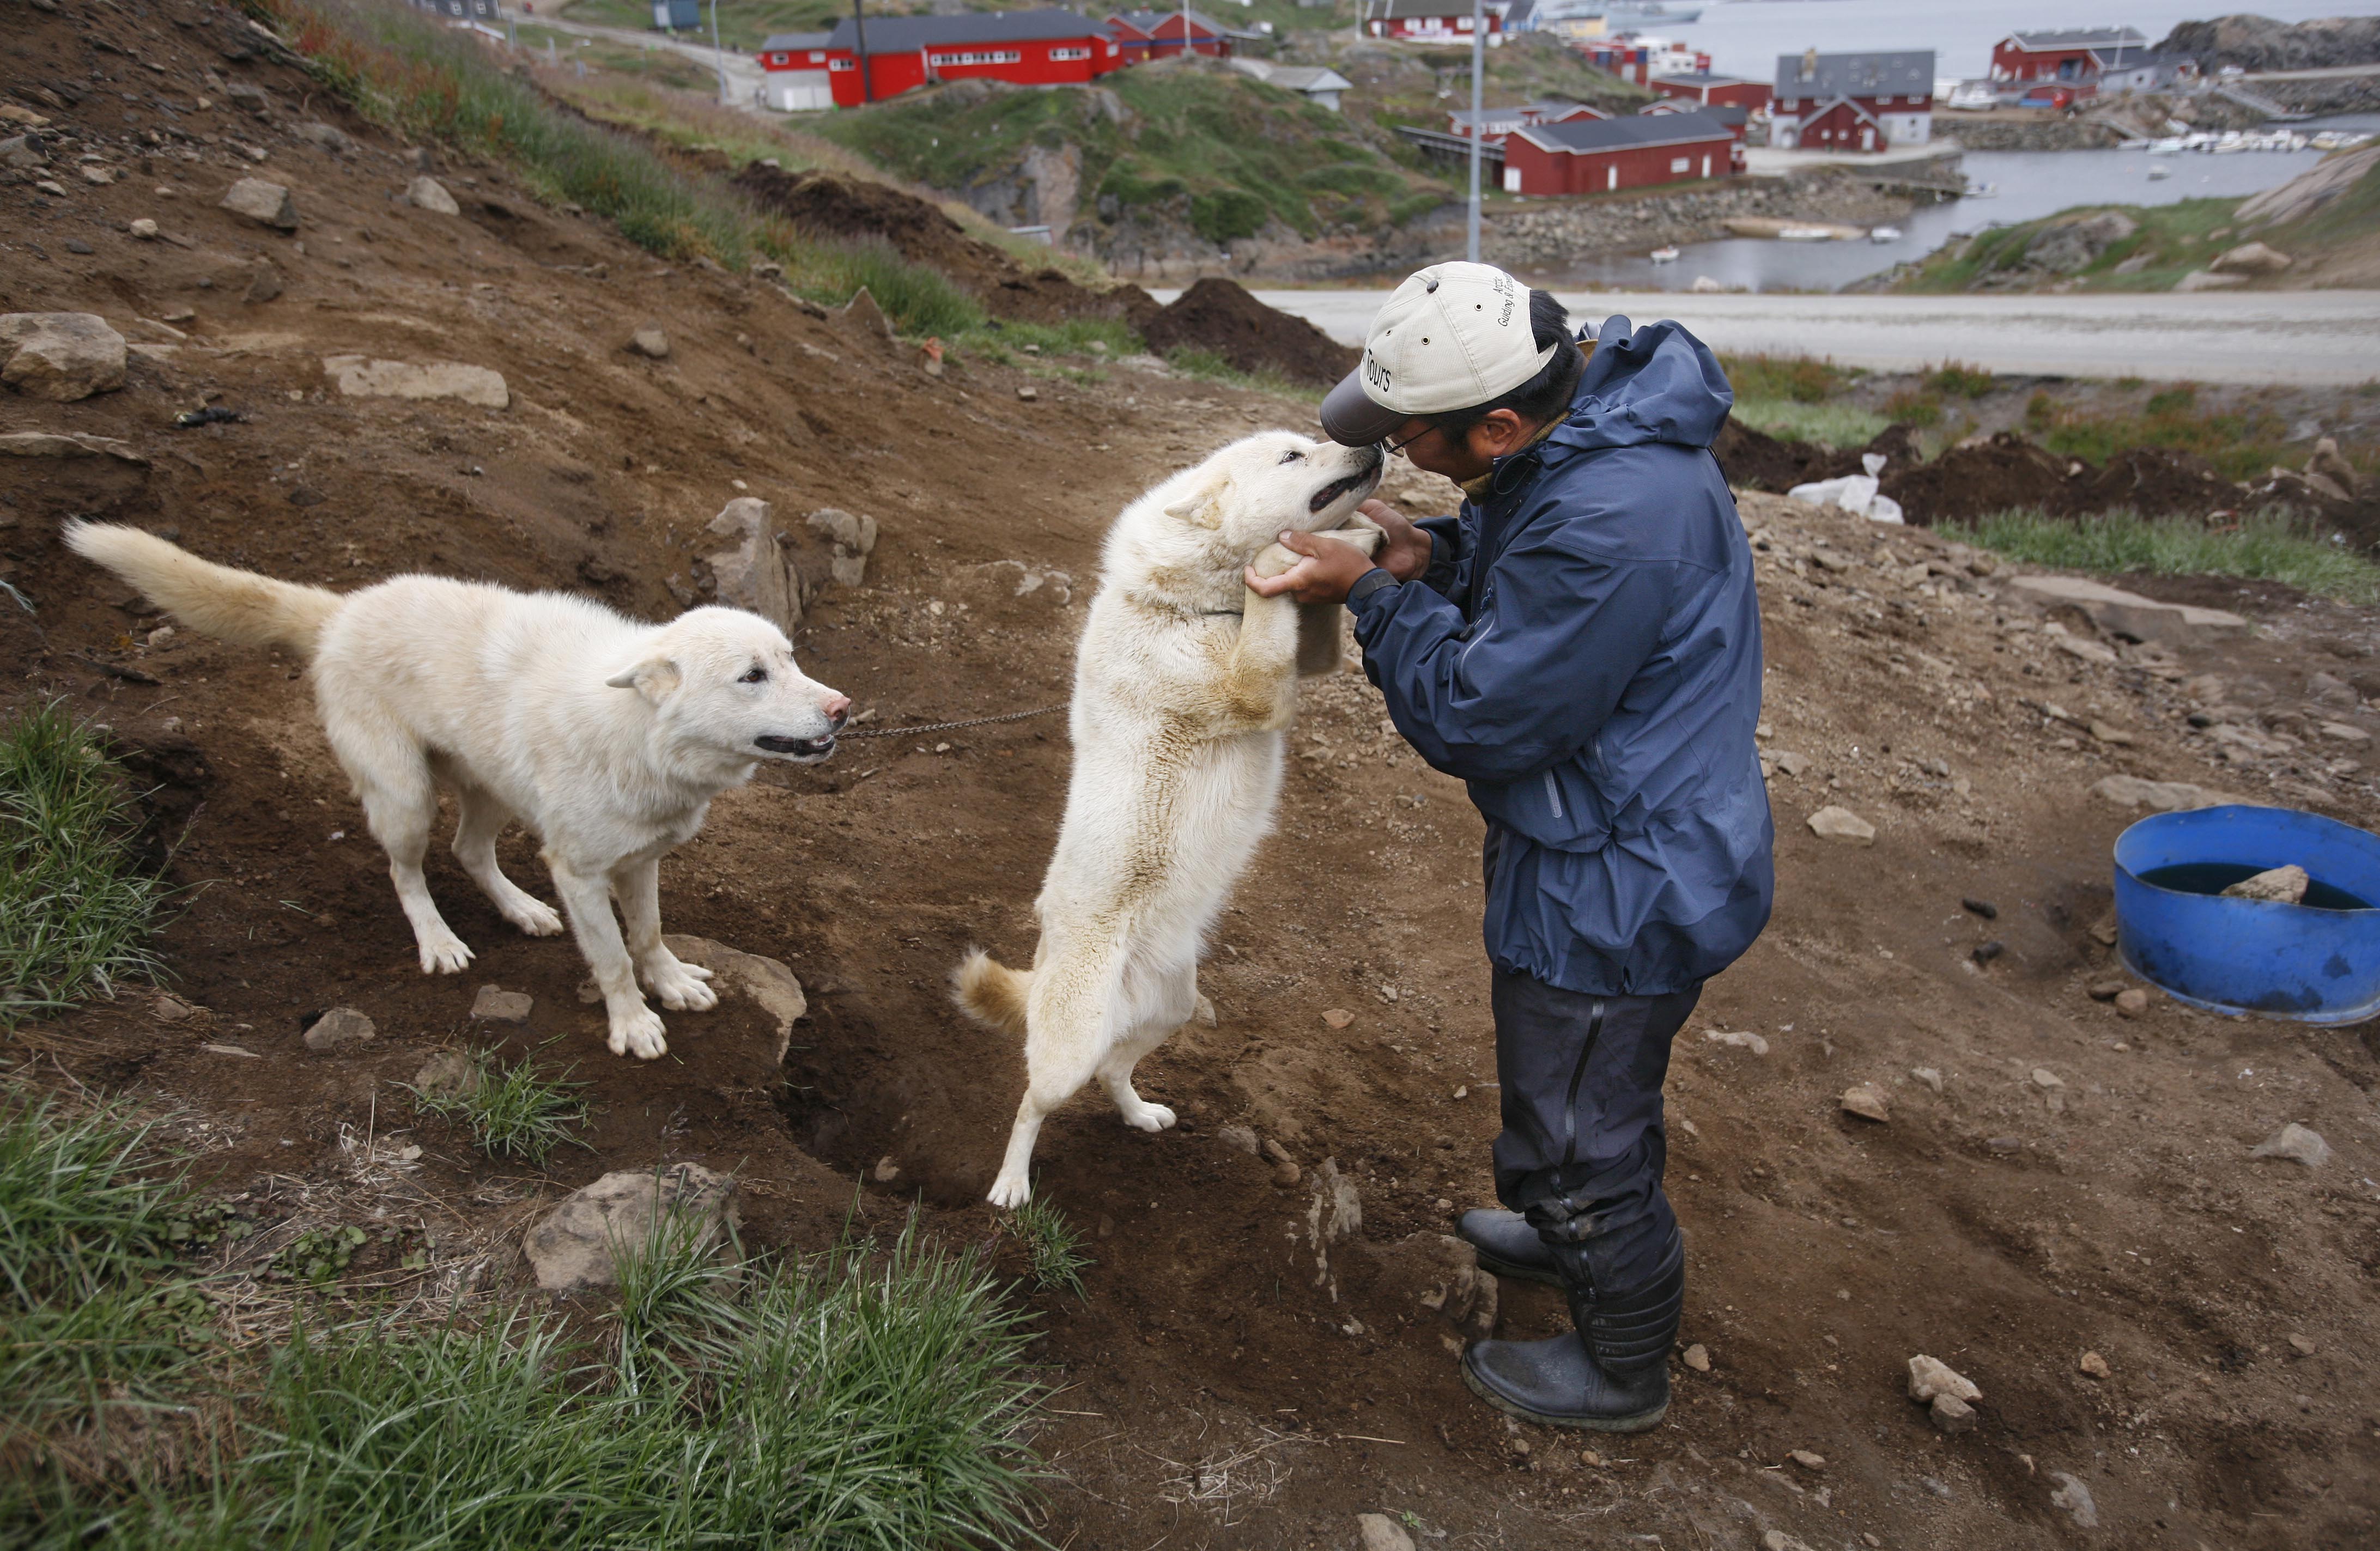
x: 1978, y: 478
x: 827, y: 205
x: 1754, y: 460
x: 1218, y: 315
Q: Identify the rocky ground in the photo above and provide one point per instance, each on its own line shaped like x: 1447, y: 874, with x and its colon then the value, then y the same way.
x: 1264, y: 1351
x: 1550, y: 235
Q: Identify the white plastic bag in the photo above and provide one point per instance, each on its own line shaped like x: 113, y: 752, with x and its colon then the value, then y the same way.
x: 1853, y: 492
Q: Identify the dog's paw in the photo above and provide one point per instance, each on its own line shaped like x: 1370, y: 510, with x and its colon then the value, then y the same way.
x: 680, y: 985
x: 638, y: 1034
x: 445, y: 955
x: 1275, y: 560
x: 1010, y: 1191
x: 1144, y: 1116
x: 535, y: 917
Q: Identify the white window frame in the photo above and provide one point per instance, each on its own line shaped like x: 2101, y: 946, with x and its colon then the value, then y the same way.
x: 965, y: 57
x: 1682, y: 163
x: 1063, y: 52
x: 842, y: 64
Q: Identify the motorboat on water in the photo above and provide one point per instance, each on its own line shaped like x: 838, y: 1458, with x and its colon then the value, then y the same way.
x: 1665, y: 255
x: 1983, y: 191
x: 1884, y: 234
x: 2159, y: 171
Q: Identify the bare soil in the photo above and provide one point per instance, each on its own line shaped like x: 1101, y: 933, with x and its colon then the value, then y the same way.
x: 1236, y: 1377
x: 1220, y: 315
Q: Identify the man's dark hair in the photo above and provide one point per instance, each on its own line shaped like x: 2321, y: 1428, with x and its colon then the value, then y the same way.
x: 1543, y: 396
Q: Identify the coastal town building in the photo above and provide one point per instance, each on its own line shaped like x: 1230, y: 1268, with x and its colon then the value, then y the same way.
x: 1494, y: 124
x: 1853, y: 102
x: 1712, y: 90
x: 1026, y: 48
x: 1146, y: 35
x: 1736, y: 119
x: 794, y: 73
x: 1427, y: 21
x: 2076, y: 56
x: 1602, y: 156
x: 1316, y: 83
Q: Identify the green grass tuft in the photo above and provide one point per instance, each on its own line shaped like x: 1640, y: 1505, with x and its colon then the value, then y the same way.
x: 514, y: 1112
x: 1960, y: 381
x: 1055, y: 1245
x: 77, y: 911
x: 2266, y: 547
x: 1838, y: 425
x: 1798, y: 379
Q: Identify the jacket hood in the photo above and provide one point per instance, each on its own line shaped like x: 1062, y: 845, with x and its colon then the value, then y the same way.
x: 1656, y: 384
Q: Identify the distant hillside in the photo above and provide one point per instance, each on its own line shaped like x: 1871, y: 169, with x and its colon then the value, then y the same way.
x: 2255, y: 43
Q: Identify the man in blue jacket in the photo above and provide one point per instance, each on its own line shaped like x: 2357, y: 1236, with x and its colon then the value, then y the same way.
x: 1582, y: 646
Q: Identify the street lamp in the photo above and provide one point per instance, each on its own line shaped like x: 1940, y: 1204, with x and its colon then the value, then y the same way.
x: 1478, y: 129
x: 718, y: 54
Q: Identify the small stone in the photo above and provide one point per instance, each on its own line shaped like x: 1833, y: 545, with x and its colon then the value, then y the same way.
x: 1240, y: 1139
x: 144, y: 229
x: 1741, y: 1039
x: 649, y: 342
x: 1929, y: 1377
x: 2344, y: 733
x: 1697, y: 1357
x: 1377, y: 1531
x: 2297, y: 1143
x: 2045, y: 1078
x: 427, y: 193
x: 447, y: 1075
x: 361, y: 377
x: 2302, y: 1346
x: 1778, y: 1540
x: 2106, y: 990
x: 173, y: 1009
x: 1951, y: 1414
x: 267, y: 204
x: 1984, y: 908
x: 589, y: 993
x: 1590, y: 1459
x: 1790, y: 763
x: 1463, y: 1091
x: 2093, y: 1364
x: 62, y: 357
x: 1029, y: 392
x: 264, y: 283
x: 496, y: 1006
x: 1984, y: 953
x: 847, y: 530
x: 572, y: 1249
x: 341, y: 1029
x: 1284, y: 1167
x: 1840, y: 824
x: 2075, y: 1499
x: 232, y: 1051
x: 887, y: 1170
x: 2132, y: 1001
x: 2280, y: 885
x: 1867, y: 1101
x: 2164, y: 796
x: 1337, y: 1017
x: 1928, y: 1076
x: 1808, y: 1459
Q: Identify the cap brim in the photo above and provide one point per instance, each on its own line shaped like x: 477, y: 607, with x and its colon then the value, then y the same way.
x: 1351, y: 417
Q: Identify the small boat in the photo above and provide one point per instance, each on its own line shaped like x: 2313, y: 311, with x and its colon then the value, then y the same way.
x: 1806, y: 234
x: 1665, y: 255
x: 1884, y: 234
x: 2159, y: 170
x: 1982, y: 190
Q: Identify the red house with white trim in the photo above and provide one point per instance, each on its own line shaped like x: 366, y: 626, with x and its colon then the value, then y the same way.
x: 1734, y: 119
x: 1714, y: 91
x: 1602, y: 156
x: 794, y: 72
x: 1026, y: 48
x: 2076, y: 56
x: 1497, y: 123
x: 1427, y: 21
x: 1853, y: 102
x: 1146, y: 35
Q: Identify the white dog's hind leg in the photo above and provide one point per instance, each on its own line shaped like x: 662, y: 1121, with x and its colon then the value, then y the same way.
x: 1159, y: 1010
x: 636, y: 1029
x: 400, y: 804
x: 677, y: 983
x: 1061, y: 1053
x: 483, y: 819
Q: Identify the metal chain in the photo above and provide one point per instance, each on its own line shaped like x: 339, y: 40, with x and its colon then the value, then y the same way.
x: 948, y: 726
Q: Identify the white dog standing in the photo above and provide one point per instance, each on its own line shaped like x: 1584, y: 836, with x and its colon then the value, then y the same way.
x: 1184, y: 684
x: 606, y: 738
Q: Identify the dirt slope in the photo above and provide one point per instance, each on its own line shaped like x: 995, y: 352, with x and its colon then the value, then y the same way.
x: 1237, y: 1377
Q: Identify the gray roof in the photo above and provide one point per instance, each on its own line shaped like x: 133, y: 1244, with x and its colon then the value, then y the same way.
x: 1909, y: 73
x: 1703, y: 78
x: 1307, y: 77
x: 2078, y: 37
x: 1545, y: 109
x: 1149, y: 21
x: 787, y: 42
x: 1612, y: 134
x: 1726, y: 113
x: 902, y: 34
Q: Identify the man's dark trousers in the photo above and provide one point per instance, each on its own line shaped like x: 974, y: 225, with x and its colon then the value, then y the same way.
x: 1583, y: 1144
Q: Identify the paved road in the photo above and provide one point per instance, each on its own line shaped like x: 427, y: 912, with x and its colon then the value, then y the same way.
x: 744, y: 73
x: 2327, y: 338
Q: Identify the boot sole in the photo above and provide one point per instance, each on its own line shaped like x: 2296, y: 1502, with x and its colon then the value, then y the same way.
x: 1638, y: 1423
x: 1513, y: 1268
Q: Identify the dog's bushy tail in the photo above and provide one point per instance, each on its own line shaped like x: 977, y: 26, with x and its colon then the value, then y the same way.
x: 990, y: 992
x: 236, y: 606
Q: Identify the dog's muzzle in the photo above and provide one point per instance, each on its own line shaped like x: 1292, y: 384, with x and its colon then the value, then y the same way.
x: 799, y: 748
x: 1337, y: 488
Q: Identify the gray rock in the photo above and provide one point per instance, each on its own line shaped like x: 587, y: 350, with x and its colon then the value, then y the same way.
x: 2073, y: 245
x: 493, y: 1005
x: 143, y: 230
x: 1442, y: 1274
x: 68, y: 444
x: 342, y: 1028
x: 60, y: 356
x: 427, y: 193
x: 1240, y: 1139
x: 361, y: 377
x: 2297, y: 1143
x: 853, y: 539
x: 2129, y: 614
x: 1868, y: 1102
x: 2279, y: 885
x: 2162, y: 796
x: 248, y: 99
x: 264, y: 283
x: 1377, y: 1531
x: 1929, y: 1377
x: 1841, y: 825
x: 329, y: 137
x: 267, y: 204
x: 2205, y: 279
x: 759, y: 573
x: 767, y: 982
x: 574, y: 1248
x: 447, y: 1075
x: 23, y: 152
x: 2075, y: 1499
x: 2328, y: 462
x: 2249, y: 258
x: 649, y: 342
x: 1952, y: 1414
x: 1284, y: 1167
x: 862, y: 316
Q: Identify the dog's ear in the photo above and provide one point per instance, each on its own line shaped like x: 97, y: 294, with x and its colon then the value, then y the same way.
x: 654, y: 678
x: 1202, y: 508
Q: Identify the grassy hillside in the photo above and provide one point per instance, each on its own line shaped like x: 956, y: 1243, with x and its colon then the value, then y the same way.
x: 743, y: 23
x: 1242, y: 151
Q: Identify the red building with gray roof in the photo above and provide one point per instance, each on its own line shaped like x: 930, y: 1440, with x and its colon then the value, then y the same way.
x: 1602, y: 156
x: 1026, y: 48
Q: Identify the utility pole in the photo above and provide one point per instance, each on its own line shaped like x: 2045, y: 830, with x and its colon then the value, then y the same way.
x: 1478, y: 129
x: 1186, y: 25
x: 859, y: 24
x: 718, y: 54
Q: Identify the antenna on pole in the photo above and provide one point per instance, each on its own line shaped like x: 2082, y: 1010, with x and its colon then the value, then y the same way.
x: 1186, y: 25
x: 859, y: 24
x: 1478, y: 128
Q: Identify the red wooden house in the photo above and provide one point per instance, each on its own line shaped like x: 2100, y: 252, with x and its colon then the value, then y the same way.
x: 1734, y: 119
x: 1853, y: 102
x: 2078, y: 56
x: 1600, y: 156
x: 1146, y: 35
x: 1497, y: 123
x: 1028, y: 48
x: 1427, y: 21
x: 1712, y: 90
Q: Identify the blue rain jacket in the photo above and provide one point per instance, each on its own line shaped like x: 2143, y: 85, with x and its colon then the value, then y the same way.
x: 1584, y: 652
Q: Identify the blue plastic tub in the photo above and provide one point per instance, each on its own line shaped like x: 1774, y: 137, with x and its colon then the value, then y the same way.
x: 2313, y: 964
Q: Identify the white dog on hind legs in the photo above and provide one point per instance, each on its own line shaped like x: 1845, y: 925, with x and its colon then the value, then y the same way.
x: 1185, y: 684
x: 606, y: 738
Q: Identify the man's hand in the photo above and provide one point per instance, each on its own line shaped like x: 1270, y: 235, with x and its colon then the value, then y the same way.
x: 1331, y: 567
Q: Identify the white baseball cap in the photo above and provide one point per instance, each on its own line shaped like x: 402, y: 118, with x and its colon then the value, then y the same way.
x: 1451, y: 337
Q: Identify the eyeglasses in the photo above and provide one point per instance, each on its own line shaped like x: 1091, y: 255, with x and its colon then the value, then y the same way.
x: 1396, y: 447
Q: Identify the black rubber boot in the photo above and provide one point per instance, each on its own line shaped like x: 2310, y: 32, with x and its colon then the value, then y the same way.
x: 1611, y: 1375
x: 1508, y: 1245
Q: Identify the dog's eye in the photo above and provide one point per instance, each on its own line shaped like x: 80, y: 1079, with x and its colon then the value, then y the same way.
x: 1293, y: 455
x: 754, y: 675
